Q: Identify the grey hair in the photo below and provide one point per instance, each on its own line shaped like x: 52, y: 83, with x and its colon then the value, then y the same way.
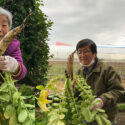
x: 7, y: 14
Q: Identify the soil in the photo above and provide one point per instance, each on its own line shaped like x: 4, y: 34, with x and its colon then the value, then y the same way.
x: 60, y: 85
x: 120, y: 118
x: 123, y: 82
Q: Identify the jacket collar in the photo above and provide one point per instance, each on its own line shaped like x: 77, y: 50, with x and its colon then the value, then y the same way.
x: 95, y: 68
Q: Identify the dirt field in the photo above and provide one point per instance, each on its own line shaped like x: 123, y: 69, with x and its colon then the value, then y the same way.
x: 120, y: 118
x: 58, y: 68
x: 123, y: 82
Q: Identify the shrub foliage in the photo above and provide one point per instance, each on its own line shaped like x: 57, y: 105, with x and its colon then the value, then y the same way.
x: 35, y: 50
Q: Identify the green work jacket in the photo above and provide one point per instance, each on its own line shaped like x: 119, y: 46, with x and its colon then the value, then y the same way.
x: 106, y: 84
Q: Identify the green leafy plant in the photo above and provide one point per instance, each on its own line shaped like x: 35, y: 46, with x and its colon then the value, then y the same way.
x: 71, y: 109
x: 121, y: 107
x: 13, y: 109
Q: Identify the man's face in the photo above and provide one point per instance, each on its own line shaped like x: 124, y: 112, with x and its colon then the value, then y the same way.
x: 4, y: 26
x: 85, y: 55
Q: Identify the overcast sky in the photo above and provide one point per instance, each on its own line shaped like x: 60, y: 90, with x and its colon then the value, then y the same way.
x: 103, y: 21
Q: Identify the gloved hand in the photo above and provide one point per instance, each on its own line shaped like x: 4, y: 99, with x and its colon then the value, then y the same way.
x: 98, y: 103
x: 9, y: 64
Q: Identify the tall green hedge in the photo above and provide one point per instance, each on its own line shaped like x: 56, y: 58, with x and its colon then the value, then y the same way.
x: 35, y: 50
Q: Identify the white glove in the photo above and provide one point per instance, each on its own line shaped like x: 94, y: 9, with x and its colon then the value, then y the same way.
x: 9, y: 64
x: 98, y: 103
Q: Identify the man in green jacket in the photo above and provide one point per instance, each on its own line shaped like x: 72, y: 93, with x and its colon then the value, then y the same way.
x: 102, y: 78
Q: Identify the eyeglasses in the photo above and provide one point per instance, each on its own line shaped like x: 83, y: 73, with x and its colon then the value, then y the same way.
x: 83, y: 52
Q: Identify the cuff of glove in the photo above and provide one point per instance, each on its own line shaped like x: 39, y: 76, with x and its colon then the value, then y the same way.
x: 101, y: 101
x: 104, y: 100
x: 97, y: 103
x: 18, y: 73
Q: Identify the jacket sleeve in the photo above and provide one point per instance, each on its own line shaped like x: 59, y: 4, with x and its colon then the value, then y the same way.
x: 115, y: 90
x: 14, y: 51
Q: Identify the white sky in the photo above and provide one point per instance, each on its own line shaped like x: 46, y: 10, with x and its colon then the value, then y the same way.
x: 103, y: 21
